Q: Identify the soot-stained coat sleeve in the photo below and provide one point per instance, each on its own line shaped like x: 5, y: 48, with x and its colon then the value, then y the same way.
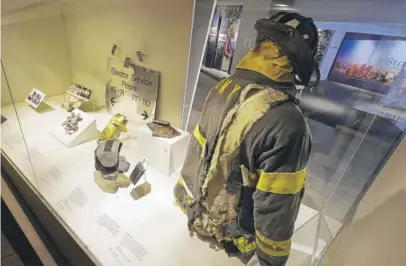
x: 278, y: 195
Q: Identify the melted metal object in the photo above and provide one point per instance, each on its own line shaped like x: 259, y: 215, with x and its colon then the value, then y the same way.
x: 108, y: 160
x: 162, y: 129
x: 138, y: 172
x: 71, y: 123
x: 114, y: 128
x: 76, y: 96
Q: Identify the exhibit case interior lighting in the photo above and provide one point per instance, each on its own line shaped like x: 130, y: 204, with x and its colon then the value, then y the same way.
x: 82, y: 84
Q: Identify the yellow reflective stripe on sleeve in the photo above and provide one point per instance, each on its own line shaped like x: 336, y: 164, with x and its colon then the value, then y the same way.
x: 273, y: 248
x: 190, y: 198
x: 243, y: 245
x: 199, y: 137
x: 235, y: 89
x: 224, y: 86
x: 282, y: 183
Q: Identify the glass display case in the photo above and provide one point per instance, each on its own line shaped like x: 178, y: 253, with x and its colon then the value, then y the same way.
x: 78, y: 74
x: 357, y: 123
x: 83, y: 81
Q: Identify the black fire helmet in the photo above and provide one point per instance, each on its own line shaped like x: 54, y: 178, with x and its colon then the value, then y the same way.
x: 297, y: 36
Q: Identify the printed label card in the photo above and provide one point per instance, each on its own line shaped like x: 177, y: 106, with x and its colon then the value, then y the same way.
x: 35, y: 98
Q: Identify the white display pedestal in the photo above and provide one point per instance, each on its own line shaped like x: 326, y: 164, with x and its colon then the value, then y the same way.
x: 166, y: 155
x: 87, y: 131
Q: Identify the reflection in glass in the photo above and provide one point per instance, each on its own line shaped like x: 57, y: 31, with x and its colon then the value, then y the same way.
x: 13, y: 142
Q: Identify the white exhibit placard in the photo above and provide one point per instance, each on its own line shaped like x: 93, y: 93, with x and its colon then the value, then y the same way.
x: 76, y: 128
x: 35, y: 98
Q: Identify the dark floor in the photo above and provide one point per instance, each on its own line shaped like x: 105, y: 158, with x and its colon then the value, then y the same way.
x: 16, y: 249
x: 8, y: 256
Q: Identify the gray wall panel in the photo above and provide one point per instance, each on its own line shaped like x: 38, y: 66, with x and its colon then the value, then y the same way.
x: 201, y: 22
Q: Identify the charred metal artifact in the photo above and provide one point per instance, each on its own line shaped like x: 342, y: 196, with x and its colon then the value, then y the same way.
x: 75, y: 96
x: 71, y: 123
x: 113, y: 129
x: 108, y: 160
x: 114, y: 49
x: 138, y: 171
x: 162, y: 129
x: 140, y: 56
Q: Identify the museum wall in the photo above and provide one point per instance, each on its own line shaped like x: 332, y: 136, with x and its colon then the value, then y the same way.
x: 377, y: 233
x: 158, y: 28
x: 73, y: 46
x: 34, y: 55
x: 5, y: 93
x: 12, y: 6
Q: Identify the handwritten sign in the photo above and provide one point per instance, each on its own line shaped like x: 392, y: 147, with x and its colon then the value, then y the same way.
x: 132, y: 91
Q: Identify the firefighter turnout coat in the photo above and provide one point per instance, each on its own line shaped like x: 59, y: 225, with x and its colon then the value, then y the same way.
x: 245, y: 170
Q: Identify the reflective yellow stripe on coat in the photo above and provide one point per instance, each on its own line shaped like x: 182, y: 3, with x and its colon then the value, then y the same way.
x: 282, y: 183
x: 244, y: 245
x: 273, y: 248
x: 199, y: 137
x: 189, y: 195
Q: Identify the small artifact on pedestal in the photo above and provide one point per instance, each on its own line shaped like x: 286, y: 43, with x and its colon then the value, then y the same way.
x: 71, y: 123
x: 114, y: 128
x: 76, y: 96
x: 162, y: 129
x: 140, y: 171
x: 110, y: 166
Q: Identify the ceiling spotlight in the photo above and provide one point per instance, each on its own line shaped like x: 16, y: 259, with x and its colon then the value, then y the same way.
x: 281, y: 5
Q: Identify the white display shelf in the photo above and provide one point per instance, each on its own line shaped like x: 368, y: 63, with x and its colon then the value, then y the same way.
x: 116, y: 228
x: 86, y: 131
